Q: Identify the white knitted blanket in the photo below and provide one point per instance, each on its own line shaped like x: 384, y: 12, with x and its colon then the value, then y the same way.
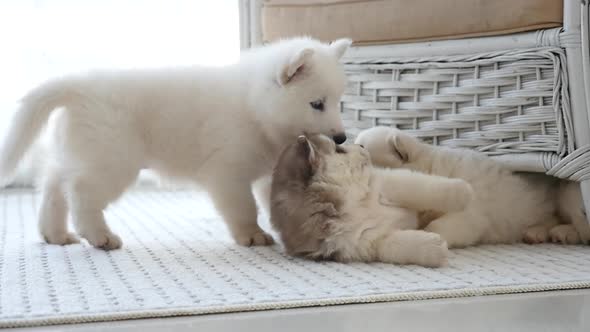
x: 178, y: 259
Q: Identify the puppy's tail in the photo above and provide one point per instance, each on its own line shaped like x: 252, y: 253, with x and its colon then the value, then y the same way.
x: 31, y: 117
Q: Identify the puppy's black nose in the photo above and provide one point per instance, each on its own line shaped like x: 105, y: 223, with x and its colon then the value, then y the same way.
x: 339, y: 138
x: 362, y: 146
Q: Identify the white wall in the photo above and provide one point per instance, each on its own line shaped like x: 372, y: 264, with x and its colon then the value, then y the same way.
x: 45, y: 38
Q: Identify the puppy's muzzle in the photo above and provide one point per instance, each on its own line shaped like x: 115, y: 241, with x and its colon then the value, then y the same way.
x: 339, y: 138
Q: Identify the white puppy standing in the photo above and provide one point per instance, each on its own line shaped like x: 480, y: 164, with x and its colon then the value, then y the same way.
x: 222, y: 128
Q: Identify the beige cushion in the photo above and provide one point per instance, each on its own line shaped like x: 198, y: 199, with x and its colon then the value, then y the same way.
x: 394, y: 21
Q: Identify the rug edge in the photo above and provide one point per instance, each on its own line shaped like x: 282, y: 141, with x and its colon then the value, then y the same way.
x: 380, y: 298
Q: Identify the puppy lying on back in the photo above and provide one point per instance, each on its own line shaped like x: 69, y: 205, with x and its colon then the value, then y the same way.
x: 507, y: 208
x: 328, y: 202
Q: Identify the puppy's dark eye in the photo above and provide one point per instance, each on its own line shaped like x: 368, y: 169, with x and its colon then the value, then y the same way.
x: 317, y: 105
x: 339, y: 149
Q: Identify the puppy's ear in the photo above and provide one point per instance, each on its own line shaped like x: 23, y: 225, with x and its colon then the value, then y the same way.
x: 397, y: 148
x: 295, y: 66
x: 307, y: 151
x: 340, y: 46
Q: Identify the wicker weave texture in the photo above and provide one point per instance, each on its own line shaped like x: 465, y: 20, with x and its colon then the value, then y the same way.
x: 498, y: 103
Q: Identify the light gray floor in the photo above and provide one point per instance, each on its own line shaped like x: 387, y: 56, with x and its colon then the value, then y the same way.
x: 546, y: 311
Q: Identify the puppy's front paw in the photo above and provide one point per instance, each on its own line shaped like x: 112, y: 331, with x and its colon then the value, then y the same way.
x: 255, y: 238
x: 460, y: 195
x: 565, y: 234
x: 60, y: 238
x: 435, y: 252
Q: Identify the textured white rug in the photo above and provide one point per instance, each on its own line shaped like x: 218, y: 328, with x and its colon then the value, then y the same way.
x: 178, y: 260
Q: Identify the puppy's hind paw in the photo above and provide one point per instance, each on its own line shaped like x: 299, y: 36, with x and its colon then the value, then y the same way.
x: 104, y: 240
x: 460, y: 195
x: 435, y: 252
x: 536, y: 234
x: 565, y: 234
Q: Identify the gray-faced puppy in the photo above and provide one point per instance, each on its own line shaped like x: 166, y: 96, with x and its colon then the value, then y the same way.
x: 328, y: 202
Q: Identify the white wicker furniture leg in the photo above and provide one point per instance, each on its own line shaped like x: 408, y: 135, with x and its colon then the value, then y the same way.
x: 577, y: 47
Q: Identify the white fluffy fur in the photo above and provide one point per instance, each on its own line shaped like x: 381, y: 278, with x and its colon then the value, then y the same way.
x: 507, y: 208
x: 219, y: 127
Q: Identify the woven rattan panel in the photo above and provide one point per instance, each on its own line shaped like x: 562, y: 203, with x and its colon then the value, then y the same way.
x: 502, y: 102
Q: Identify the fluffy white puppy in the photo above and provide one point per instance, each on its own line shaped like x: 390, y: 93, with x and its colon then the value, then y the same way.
x: 221, y: 128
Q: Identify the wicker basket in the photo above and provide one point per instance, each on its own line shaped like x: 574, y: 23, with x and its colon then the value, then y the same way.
x: 498, y: 103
